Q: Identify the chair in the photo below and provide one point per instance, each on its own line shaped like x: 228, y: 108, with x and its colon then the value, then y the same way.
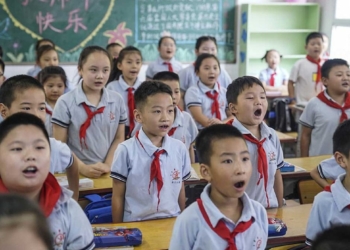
x: 308, y: 189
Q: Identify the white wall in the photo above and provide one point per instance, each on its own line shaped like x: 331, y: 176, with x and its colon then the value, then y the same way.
x: 232, y: 69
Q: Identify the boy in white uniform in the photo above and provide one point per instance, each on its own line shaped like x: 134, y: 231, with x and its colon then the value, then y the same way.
x: 225, y: 217
x: 323, y: 113
x: 247, y: 102
x: 305, y: 77
x: 184, y: 128
x: 327, y: 169
x: 148, y: 170
x: 25, y: 164
x: 331, y: 206
x: 25, y: 94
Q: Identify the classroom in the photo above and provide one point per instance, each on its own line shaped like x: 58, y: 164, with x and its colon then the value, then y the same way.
x: 174, y: 124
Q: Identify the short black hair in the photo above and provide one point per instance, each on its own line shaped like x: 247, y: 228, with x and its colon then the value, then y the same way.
x: 201, y: 58
x: 19, y: 119
x: 239, y: 85
x: 264, y: 58
x: 17, y: 211
x: 331, y: 63
x: 2, y: 65
x: 149, y: 88
x: 37, y: 45
x: 52, y: 71
x: 341, y: 138
x: 110, y: 45
x: 16, y: 84
x: 42, y: 50
x: 166, y: 76
x: 1, y: 52
x: 205, y: 139
x: 203, y: 39
x: 162, y: 38
x: 335, y: 237
x: 313, y: 35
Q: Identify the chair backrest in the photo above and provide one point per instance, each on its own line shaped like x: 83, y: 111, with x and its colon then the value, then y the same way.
x: 308, y: 189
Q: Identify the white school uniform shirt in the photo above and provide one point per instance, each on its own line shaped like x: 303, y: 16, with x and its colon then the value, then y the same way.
x: 69, y: 225
x: 329, y: 209
x: 69, y: 113
x: 195, y: 96
x: 323, y: 120
x: 191, y: 231
x: 189, y: 78
x: 274, y: 156
x: 159, y: 66
x: 330, y: 169
x: 303, y: 74
x: 281, y: 76
x: 61, y: 156
x: 48, y: 124
x: 34, y: 71
x: 186, y: 129
x: 121, y: 87
x: 132, y: 165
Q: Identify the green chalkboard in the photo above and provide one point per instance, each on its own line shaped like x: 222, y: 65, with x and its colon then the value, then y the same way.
x: 73, y: 24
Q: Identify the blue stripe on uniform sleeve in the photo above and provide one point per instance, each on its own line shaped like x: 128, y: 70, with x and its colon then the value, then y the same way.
x: 60, y: 123
x: 117, y: 176
x: 279, y: 165
x: 187, y: 176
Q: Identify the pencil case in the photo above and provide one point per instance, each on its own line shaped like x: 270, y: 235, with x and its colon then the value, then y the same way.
x: 112, y: 236
x: 287, y: 167
x: 276, y: 227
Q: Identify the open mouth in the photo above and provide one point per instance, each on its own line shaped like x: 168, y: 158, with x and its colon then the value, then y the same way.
x: 211, y: 78
x: 169, y: 52
x: 258, y: 112
x: 239, y: 184
x: 30, y: 170
x: 345, y: 84
x: 164, y: 126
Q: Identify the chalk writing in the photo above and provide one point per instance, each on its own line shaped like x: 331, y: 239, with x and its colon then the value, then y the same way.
x: 75, y: 20
x: 45, y: 22
x: 52, y: 2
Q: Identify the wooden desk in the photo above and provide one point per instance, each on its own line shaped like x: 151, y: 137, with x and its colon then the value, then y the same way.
x: 298, y: 108
x: 157, y: 233
x: 284, y: 138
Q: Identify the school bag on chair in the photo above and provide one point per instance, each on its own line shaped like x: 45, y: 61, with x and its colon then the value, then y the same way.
x: 100, y: 209
x: 283, y: 119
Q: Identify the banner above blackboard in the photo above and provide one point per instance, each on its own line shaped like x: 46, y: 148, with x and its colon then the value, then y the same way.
x: 73, y: 24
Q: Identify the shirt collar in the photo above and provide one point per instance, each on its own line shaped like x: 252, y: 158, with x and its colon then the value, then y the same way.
x: 126, y: 86
x: 48, y: 107
x: 148, y: 145
x: 178, y: 122
x: 264, y: 129
x: 161, y: 61
x: 271, y: 71
x: 340, y: 195
x: 80, y: 97
x: 215, y: 214
x: 205, y: 89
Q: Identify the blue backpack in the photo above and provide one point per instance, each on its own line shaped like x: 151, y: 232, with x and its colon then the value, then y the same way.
x: 100, y: 209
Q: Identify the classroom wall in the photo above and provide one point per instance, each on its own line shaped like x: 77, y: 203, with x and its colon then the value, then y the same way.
x: 231, y: 68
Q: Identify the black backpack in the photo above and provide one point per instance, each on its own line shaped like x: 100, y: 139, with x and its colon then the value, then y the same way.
x: 281, y: 117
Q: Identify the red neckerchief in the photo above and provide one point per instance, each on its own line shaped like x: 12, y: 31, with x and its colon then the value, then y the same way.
x: 156, y: 172
x: 170, y: 67
x: 318, y: 63
x: 262, y: 161
x: 215, y: 106
x: 131, y: 105
x: 272, y: 79
x: 49, y: 194
x: 230, y: 122
x: 87, y: 123
x: 335, y: 105
x: 222, y: 230
x: 49, y: 112
x: 328, y: 189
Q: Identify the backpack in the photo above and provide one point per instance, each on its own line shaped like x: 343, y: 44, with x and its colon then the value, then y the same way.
x: 281, y: 117
x: 100, y: 209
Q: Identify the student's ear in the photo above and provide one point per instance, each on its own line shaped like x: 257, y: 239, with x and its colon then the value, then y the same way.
x: 119, y: 65
x: 4, y: 111
x: 341, y: 159
x: 137, y: 116
x: 232, y: 107
x: 205, y: 172
x: 324, y: 81
x: 196, y: 52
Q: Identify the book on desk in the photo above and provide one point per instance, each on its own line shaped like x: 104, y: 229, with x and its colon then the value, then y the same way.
x: 84, y: 183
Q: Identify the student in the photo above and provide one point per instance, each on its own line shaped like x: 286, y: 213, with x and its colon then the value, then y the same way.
x: 42, y: 42
x: 25, y: 165
x: 184, y: 128
x: 188, y: 76
x: 91, y: 118
x: 274, y: 78
x: 224, y: 217
x: 206, y: 100
x: 166, y: 60
x: 114, y: 49
x: 150, y: 168
x: 46, y: 56
x: 2, y: 71
x: 128, y: 67
x: 325, y: 53
x: 21, y: 218
x: 328, y: 169
x: 335, y: 199
x: 337, y: 237
x: 53, y: 79
x: 24, y: 93
x: 246, y: 97
x: 305, y: 77
x: 323, y: 113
